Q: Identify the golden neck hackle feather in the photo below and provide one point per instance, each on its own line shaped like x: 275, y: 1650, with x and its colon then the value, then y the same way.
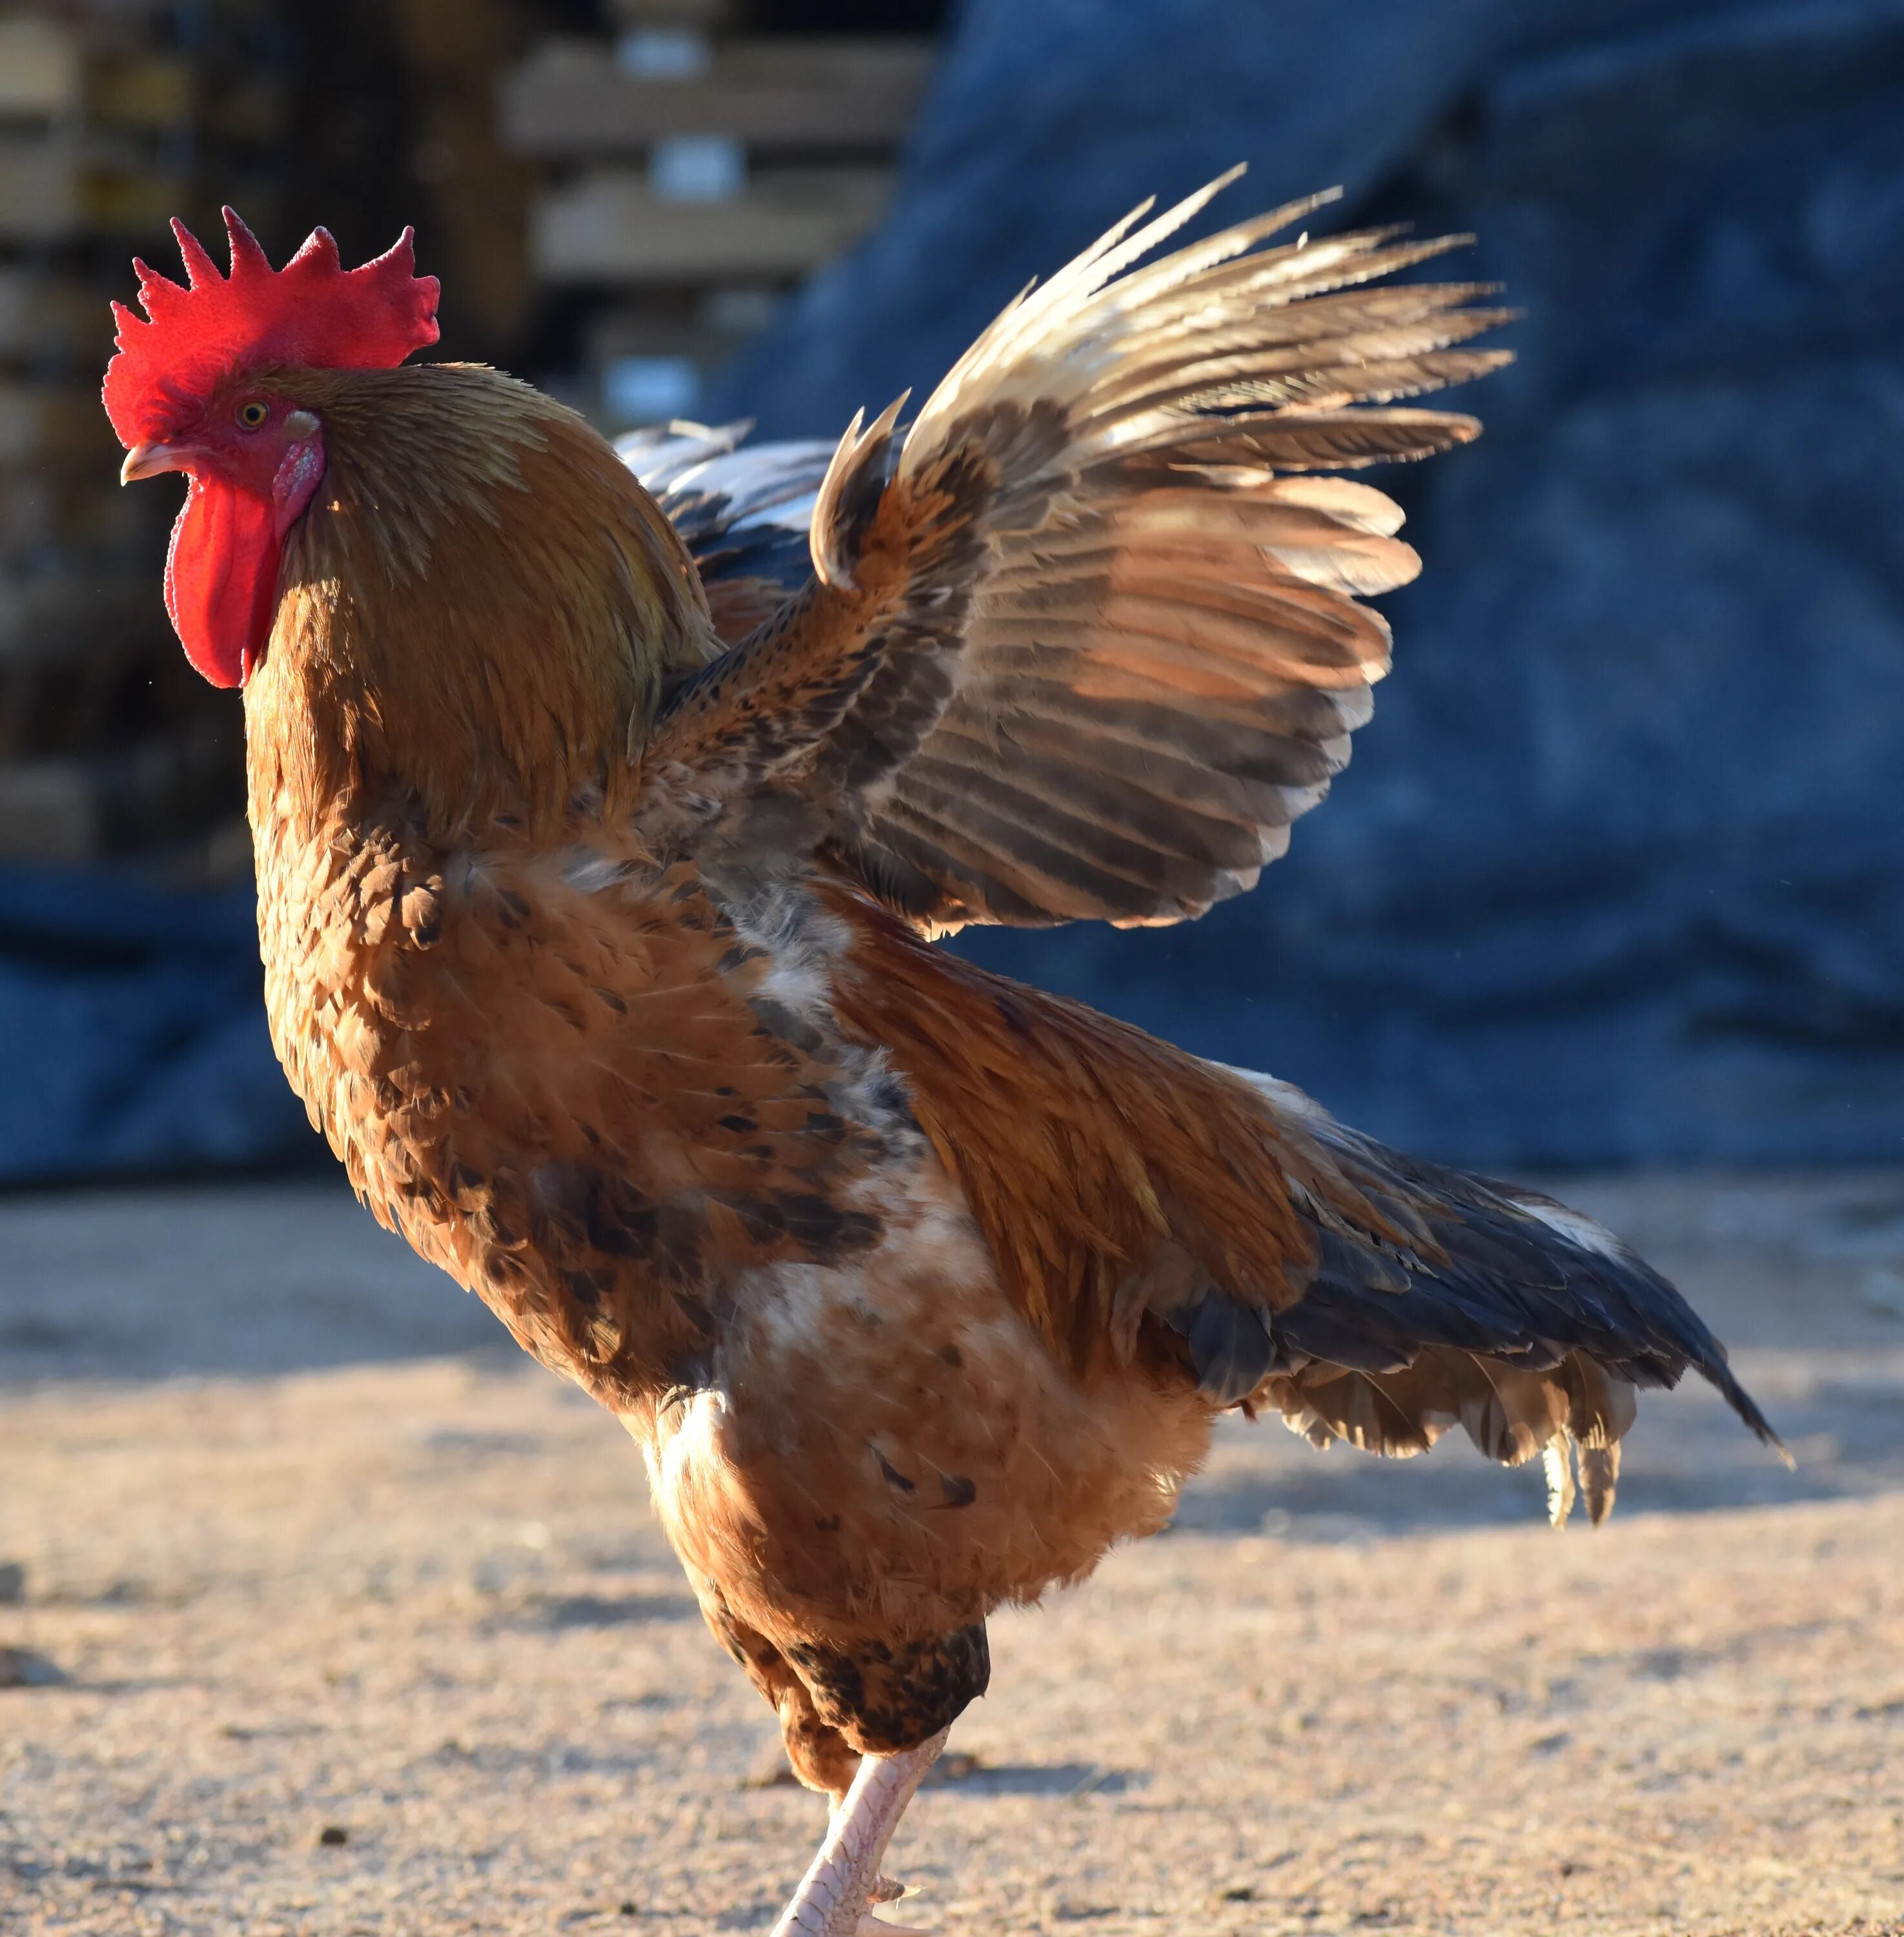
x: 478, y: 613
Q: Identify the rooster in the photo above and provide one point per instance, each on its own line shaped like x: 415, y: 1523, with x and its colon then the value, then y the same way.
x: 600, y: 856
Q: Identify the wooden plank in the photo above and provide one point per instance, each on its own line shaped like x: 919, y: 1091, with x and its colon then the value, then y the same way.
x: 40, y: 73
x: 569, y: 97
x: 154, y: 93
x: 54, y: 187
x: 136, y: 203
x: 609, y: 227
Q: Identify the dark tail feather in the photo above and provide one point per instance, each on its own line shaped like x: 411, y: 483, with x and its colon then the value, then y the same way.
x: 1463, y: 1301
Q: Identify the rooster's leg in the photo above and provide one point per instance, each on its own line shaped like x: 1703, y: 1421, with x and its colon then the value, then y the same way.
x: 884, y: 1890
x: 834, y: 1895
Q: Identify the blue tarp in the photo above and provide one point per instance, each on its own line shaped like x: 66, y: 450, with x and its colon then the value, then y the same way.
x: 1617, y: 874
x: 132, y: 1034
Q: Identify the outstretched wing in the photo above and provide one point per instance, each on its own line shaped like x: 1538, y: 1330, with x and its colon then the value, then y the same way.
x: 1085, y: 638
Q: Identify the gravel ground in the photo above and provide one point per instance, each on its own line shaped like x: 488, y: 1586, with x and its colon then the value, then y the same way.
x: 334, y: 1617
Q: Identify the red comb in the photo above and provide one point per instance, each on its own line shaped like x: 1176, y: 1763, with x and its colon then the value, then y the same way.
x: 313, y: 311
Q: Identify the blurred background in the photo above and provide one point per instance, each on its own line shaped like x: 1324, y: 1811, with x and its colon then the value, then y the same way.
x: 1618, y: 874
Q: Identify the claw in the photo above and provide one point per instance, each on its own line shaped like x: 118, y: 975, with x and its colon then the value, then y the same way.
x: 870, y: 1926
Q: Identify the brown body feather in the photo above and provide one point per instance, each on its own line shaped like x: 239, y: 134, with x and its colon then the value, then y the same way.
x: 583, y: 1080
x: 919, y: 1290
x: 1082, y: 1146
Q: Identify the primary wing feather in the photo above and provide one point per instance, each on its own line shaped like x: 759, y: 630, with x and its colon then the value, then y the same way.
x: 1084, y: 640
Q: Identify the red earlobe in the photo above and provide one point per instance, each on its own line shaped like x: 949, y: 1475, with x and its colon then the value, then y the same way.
x: 221, y: 579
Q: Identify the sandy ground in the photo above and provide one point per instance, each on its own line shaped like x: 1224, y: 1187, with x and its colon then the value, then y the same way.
x: 336, y: 1617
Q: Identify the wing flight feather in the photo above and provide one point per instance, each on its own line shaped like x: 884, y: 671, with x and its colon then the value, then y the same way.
x: 1085, y: 638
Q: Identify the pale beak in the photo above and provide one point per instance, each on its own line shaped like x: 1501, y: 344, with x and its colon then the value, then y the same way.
x: 148, y: 460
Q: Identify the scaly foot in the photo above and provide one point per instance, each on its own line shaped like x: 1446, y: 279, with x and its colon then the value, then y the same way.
x: 835, y: 1895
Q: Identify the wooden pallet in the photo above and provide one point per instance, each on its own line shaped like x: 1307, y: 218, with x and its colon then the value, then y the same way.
x: 59, y: 185
x: 107, y: 121
x: 570, y: 98
x: 609, y: 226
x: 155, y: 94
x: 42, y: 68
x: 48, y: 74
x: 689, y: 176
x: 80, y: 127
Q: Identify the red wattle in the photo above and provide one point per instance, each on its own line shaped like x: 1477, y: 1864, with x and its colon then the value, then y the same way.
x: 221, y: 579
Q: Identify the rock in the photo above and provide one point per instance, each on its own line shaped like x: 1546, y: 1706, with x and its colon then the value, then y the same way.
x: 21, y: 1667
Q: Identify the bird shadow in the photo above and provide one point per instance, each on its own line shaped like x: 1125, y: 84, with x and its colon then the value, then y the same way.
x: 970, y: 1777
x: 607, y: 1611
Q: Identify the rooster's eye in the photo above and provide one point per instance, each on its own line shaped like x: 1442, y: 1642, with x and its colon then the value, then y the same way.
x: 253, y: 415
